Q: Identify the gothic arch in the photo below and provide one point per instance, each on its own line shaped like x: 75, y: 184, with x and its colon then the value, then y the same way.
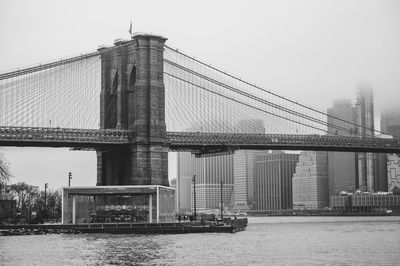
x: 132, y: 77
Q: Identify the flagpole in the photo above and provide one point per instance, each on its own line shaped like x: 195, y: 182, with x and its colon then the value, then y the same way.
x: 130, y: 29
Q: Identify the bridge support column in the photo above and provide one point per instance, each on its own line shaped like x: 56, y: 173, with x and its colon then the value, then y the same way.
x: 133, y: 98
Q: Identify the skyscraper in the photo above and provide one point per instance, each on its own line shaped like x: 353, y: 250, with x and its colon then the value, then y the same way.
x: 173, y: 184
x: 244, y: 174
x: 236, y: 171
x: 393, y: 171
x: 390, y: 124
x: 244, y: 167
x: 184, y: 182
x: 209, y: 172
x: 341, y: 165
x: 310, y: 180
x: 273, y: 182
x: 390, y: 121
x: 364, y: 110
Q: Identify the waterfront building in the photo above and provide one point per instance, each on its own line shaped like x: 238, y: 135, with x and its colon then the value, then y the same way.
x: 244, y: 167
x: 244, y: 176
x: 364, y: 202
x: 184, y: 181
x: 393, y: 171
x: 173, y: 184
x: 208, y: 172
x: 390, y: 124
x: 364, y: 113
x: 104, y: 204
x: 310, y: 180
x: 380, y: 182
x: 273, y: 182
x: 185, y: 194
x: 236, y: 171
x: 341, y: 165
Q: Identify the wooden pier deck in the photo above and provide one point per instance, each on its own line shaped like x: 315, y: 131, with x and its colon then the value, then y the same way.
x: 226, y: 226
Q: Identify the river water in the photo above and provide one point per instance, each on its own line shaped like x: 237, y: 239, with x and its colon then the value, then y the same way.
x: 266, y: 241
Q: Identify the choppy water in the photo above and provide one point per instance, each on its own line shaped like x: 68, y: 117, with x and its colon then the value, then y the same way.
x: 267, y: 241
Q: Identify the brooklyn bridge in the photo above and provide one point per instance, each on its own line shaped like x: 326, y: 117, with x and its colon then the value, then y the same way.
x: 138, y: 99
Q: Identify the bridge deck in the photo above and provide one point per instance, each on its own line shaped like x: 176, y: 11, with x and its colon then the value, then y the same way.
x: 193, y: 141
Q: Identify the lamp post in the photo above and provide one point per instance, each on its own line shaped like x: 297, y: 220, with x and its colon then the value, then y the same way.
x: 69, y: 178
x: 45, y: 198
x: 222, y: 203
x: 194, y: 196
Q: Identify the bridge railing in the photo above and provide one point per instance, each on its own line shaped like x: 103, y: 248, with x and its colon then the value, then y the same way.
x: 238, y: 139
x: 42, y: 134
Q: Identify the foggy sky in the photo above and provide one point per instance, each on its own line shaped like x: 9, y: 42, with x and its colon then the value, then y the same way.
x: 310, y: 51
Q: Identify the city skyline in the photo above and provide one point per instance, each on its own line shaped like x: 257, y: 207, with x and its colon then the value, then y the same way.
x: 316, y: 45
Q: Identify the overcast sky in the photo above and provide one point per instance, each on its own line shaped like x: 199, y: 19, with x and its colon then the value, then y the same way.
x: 311, y: 51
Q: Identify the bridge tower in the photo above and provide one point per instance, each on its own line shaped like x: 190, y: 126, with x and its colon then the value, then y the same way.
x: 133, y: 97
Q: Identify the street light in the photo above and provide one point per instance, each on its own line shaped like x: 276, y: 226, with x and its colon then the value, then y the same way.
x: 222, y: 203
x: 194, y: 195
x: 45, y: 198
x: 69, y: 178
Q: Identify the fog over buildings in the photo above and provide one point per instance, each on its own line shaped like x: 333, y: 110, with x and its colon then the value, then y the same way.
x: 310, y: 51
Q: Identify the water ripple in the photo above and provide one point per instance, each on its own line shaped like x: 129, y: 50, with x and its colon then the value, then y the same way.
x: 267, y: 241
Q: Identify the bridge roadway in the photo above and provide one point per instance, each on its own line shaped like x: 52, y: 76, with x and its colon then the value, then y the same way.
x: 196, y: 142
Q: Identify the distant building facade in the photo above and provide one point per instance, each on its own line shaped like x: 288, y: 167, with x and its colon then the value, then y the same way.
x: 208, y: 172
x: 244, y: 175
x: 173, y: 184
x: 310, y: 181
x: 364, y: 110
x: 393, y: 171
x: 244, y: 167
x: 341, y: 165
x: 273, y: 182
x: 390, y: 121
x: 380, y: 182
x: 365, y: 203
x: 236, y: 171
x: 390, y: 124
x: 184, y: 182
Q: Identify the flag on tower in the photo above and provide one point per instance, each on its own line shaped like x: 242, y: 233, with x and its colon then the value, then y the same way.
x: 130, y: 29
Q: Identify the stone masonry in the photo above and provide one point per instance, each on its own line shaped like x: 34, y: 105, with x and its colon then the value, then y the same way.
x: 133, y: 97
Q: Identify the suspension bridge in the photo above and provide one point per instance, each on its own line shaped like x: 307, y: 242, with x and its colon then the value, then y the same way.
x: 138, y: 99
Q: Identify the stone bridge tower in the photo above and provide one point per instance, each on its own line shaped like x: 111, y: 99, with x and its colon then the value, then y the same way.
x: 133, y: 97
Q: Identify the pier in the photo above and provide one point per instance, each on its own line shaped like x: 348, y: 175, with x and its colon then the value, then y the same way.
x: 225, y: 226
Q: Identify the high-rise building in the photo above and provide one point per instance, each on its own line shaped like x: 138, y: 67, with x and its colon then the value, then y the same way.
x: 364, y: 110
x: 184, y: 182
x: 390, y: 124
x: 393, y: 171
x: 244, y: 167
x: 236, y: 171
x: 341, y: 165
x: 273, y: 182
x: 173, y: 184
x: 390, y: 121
x: 310, y: 180
x: 208, y: 172
x: 244, y: 173
x: 380, y: 183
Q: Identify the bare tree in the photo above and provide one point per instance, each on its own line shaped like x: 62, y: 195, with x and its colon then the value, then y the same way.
x: 5, y: 173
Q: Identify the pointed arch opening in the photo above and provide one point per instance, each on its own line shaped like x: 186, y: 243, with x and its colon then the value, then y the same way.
x: 115, y: 83
x: 132, y: 77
